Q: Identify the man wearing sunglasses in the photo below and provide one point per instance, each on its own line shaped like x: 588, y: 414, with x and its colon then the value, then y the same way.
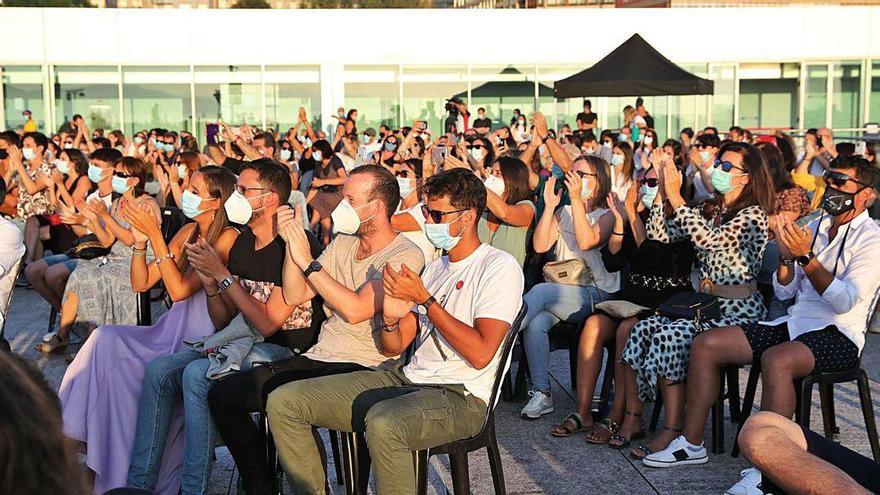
x: 459, y: 312
x: 831, y: 266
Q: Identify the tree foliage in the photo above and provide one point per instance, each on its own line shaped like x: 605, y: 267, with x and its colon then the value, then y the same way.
x: 366, y: 4
x: 46, y: 3
x: 251, y: 4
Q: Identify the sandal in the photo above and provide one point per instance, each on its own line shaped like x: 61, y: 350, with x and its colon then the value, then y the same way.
x: 622, y: 441
x: 647, y: 451
x: 564, y: 429
x: 606, y: 424
x: 53, y: 345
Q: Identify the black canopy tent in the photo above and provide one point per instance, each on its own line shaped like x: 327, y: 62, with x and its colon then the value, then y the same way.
x: 634, y: 68
x: 520, y: 88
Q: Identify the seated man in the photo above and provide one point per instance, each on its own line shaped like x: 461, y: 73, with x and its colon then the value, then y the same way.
x: 794, y: 459
x: 459, y: 313
x: 348, y: 276
x: 11, y: 251
x: 251, y: 285
x: 832, y: 269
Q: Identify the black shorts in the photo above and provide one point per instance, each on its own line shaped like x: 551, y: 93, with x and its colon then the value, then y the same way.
x: 860, y: 468
x: 832, y: 350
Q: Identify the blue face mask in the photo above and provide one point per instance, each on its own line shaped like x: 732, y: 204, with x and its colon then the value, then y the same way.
x: 407, y: 186
x: 616, y: 160
x: 168, y: 147
x: 190, y: 203
x: 120, y: 185
x: 96, y: 173
x: 722, y: 181
x: 649, y: 194
x: 389, y: 146
x: 438, y: 234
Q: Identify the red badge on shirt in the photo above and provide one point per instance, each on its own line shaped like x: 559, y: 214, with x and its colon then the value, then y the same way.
x: 459, y: 285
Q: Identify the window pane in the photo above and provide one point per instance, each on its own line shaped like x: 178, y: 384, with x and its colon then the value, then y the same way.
x: 502, y: 89
x: 23, y: 90
x: 156, y: 97
x: 874, y: 110
x: 722, y: 99
x: 816, y: 96
x: 228, y: 92
x: 374, y: 91
x: 846, y: 99
x: 563, y: 111
x: 92, y: 92
x: 689, y: 110
x: 289, y: 87
x: 425, y: 90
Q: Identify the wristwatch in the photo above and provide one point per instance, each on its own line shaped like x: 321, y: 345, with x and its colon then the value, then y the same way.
x: 313, y: 267
x: 225, y: 284
x: 423, y: 308
x: 805, y: 259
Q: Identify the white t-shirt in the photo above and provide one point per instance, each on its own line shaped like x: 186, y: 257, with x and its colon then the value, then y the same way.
x: 620, y: 185
x: 418, y: 237
x: 11, y: 247
x: 567, y: 249
x: 486, y: 284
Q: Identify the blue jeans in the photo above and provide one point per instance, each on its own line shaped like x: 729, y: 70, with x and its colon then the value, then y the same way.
x: 550, y: 304
x: 167, y: 378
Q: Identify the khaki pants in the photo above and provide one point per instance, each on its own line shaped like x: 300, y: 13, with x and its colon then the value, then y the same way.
x: 397, y: 416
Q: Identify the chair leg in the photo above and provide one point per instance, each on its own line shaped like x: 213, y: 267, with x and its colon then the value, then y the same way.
x: 458, y: 462
x: 349, y: 460
x: 748, y: 401
x: 826, y: 401
x: 337, y: 461
x: 53, y: 315
x: 733, y: 392
x: 362, y: 453
x: 804, y: 394
x: 421, y: 465
x: 519, y: 387
x: 718, y: 422
x: 495, y: 461
x: 655, y: 412
x: 868, y: 412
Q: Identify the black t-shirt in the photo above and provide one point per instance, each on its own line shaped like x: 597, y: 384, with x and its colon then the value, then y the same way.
x: 260, y: 271
x: 484, y: 122
x: 234, y: 165
x: 586, y: 118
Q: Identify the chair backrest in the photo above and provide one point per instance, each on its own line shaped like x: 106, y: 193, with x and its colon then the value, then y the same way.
x: 7, y: 286
x: 173, y: 220
x: 506, y: 358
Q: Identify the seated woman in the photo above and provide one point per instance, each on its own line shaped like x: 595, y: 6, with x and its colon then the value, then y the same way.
x: 409, y: 219
x: 509, y: 208
x: 578, y: 231
x: 656, y: 269
x: 729, y: 248
x: 98, y: 292
x: 100, y: 390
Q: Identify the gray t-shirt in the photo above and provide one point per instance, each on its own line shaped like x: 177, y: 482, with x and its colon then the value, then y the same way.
x: 343, y: 342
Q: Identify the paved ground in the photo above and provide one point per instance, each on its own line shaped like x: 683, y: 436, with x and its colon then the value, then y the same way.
x: 534, y: 462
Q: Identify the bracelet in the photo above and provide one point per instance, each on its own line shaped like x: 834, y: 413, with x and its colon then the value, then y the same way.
x: 169, y: 256
x: 391, y: 328
x: 138, y: 250
x: 211, y: 295
x: 617, y: 233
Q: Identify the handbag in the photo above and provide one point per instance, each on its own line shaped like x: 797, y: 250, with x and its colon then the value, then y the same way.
x: 87, y: 247
x: 569, y: 272
x: 696, y: 306
x: 621, y: 309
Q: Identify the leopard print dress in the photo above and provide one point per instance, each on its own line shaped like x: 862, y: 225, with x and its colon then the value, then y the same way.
x: 728, y: 254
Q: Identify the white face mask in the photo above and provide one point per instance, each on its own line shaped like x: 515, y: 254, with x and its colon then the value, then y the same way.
x: 239, y: 209
x: 285, y: 155
x: 28, y: 153
x: 345, y: 217
x: 138, y: 140
x: 495, y: 184
x: 649, y: 140
x: 62, y: 166
x: 476, y: 153
x: 68, y: 146
x: 181, y: 170
x: 407, y: 186
x: 317, y: 156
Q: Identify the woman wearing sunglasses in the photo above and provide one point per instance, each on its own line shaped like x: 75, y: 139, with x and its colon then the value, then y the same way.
x: 729, y: 247
x: 509, y: 209
x: 654, y: 269
x: 409, y: 219
x: 578, y: 231
x: 99, y: 290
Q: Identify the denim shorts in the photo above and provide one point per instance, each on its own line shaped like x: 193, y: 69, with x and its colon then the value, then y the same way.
x: 55, y: 259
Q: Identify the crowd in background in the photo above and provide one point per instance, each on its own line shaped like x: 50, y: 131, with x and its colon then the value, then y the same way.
x: 315, y: 251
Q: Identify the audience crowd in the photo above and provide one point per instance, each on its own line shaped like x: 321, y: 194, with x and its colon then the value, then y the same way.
x: 367, y: 281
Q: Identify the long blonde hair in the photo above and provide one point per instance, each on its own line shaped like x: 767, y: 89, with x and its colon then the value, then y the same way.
x: 220, y: 182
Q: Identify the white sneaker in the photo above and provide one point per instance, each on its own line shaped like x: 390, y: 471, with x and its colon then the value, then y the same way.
x: 680, y: 452
x: 750, y: 484
x: 539, y: 405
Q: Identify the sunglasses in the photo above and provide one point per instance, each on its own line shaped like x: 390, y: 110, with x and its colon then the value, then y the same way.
x: 583, y: 174
x: 437, y: 216
x: 649, y: 181
x: 122, y: 175
x: 727, y: 166
x: 402, y: 173
x: 839, y: 179
x: 700, y: 146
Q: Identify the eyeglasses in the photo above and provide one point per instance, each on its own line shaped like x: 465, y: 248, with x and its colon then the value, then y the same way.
x: 839, y: 179
x: 242, y: 190
x: 436, y: 216
x: 727, y: 166
x: 649, y: 181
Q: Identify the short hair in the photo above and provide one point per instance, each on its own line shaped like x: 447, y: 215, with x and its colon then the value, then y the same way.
x: 273, y: 175
x: 687, y: 131
x: 709, y: 140
x: 102, y: 142
x: 587, y: 103
x: 735, y: 128
x: 76, y: 116
x: 866, y: 173
x: 481, y: 109
x: 109, y: 155
x: 709, y: 128
x: 385, y: 187
x: 2, y: 190
x: 845, y: 149
x: 268, y: 139
x: 461, y: 186
x: 11, y: 138
x: 39, y: 138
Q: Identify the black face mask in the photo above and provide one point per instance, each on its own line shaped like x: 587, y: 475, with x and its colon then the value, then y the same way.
x: 3, y: 154
x: 836, y: 202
